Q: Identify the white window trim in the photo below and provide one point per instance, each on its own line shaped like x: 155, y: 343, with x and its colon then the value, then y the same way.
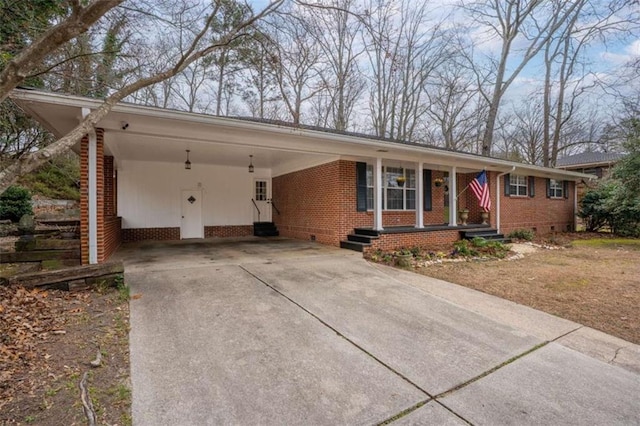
x: 385, y: 187
x: 518, y: 185
x: 555, y: 187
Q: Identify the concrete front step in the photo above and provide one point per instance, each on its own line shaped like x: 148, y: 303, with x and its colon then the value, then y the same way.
x: 361, y: 238
x: 270, y: 233
x: 265, y: 229
x: 353, y: 245
x: 366, y: 231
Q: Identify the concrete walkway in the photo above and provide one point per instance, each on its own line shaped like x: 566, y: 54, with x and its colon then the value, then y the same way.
x: 284, y: 332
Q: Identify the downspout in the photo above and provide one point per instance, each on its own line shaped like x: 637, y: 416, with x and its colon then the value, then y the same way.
x: 498, y: 196
x: 575, y: 206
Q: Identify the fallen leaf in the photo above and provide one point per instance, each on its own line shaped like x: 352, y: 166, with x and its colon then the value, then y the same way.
x: 136, y: 296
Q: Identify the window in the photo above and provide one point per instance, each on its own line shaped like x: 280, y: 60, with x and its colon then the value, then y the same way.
x: 261, y: 190
x: 518, y: 185
x: 556, y: 188
x: 395, y: 196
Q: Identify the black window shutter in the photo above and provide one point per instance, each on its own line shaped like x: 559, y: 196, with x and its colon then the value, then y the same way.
x: 548, y: 188
x: 361, y: 186
x: 565, y: 188
x: 426, y: 183
x: 532, y: 186
x: 507, y: 182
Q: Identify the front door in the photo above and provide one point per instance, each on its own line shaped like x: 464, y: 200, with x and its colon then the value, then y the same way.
x: 262, y: 198
x: 191, y: 224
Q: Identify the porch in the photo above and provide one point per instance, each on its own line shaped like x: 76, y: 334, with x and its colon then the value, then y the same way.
x: 394, y: 237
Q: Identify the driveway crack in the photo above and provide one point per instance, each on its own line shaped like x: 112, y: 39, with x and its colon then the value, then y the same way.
x: 335, y: 330
x: 490, y: 371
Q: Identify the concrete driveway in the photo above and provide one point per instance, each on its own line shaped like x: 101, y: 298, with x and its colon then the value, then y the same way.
x: 283, y: 332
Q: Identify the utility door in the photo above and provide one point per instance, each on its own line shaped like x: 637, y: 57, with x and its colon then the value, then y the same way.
x: 262, y: 197
x: 191, y: 223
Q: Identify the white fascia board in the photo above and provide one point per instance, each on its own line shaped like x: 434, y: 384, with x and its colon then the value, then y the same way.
x: 307, y: 163
x: 401, y: 151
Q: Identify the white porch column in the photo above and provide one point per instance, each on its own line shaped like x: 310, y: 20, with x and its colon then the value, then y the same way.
x: 93, y: 194
x: 377, y: 195
x: 453, y: 197
x: 419, y: 196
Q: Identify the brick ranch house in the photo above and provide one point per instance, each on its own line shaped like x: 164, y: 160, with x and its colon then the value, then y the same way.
x: 312, y: 184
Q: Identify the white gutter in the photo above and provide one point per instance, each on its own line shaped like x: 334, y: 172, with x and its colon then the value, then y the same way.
x: 575, y: 206
x: 498, y: 196
x: 430, y: 153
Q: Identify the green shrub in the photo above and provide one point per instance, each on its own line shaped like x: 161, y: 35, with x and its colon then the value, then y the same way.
x: 464, y: 248
x: 521, y: 234
x: 14, y: 203
x: 478, y: 242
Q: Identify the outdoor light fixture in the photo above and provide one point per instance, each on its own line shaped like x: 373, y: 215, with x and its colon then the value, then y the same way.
x: 187, y: 164
x: 251, y: 164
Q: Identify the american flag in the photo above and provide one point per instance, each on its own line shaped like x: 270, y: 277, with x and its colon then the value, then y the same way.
x: 480, y: 188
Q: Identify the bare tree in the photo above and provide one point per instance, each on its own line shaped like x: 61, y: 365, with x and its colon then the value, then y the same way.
x: 404, y: 47
x: 199, y: 47
x: 566, y: 70
x: 455, y: 108
x: 190, y: 85
x: 336, y: 29
x: 526, y: 130
x: 297, y: 67
x: 530, y: 23
x: 261, y: 91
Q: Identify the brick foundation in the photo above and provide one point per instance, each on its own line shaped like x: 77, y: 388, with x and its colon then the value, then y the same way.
x: 157, y: 234
x: 228, y: 231
x: 168, y: 234
x: 430, y: 239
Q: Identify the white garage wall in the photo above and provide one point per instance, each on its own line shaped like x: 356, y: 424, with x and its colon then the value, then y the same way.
x: 149, y: 193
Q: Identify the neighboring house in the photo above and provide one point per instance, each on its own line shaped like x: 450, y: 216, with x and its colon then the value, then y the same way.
x: 312, y: 183
x: 592, y: 163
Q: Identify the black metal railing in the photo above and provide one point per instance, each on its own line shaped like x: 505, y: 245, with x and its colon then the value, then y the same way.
x: 274, y: 206
x: 257, y: 209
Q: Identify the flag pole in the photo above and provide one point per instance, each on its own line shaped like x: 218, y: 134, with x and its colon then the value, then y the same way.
x: 461, y: 192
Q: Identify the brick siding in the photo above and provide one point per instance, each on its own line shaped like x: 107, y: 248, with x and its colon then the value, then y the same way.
x: 113, y: 236
x: 542, y: 214
x: 311, y: 201
x: 321, y: 202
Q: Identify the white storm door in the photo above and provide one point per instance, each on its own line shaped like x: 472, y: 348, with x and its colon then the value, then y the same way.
x: 262, y: 198
x: 191, y: 223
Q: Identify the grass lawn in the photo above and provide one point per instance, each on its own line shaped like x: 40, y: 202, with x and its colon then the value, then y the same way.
x: 595, y: 282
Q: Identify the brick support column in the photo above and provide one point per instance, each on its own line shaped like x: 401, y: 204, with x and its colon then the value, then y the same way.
x: 85, y: 192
